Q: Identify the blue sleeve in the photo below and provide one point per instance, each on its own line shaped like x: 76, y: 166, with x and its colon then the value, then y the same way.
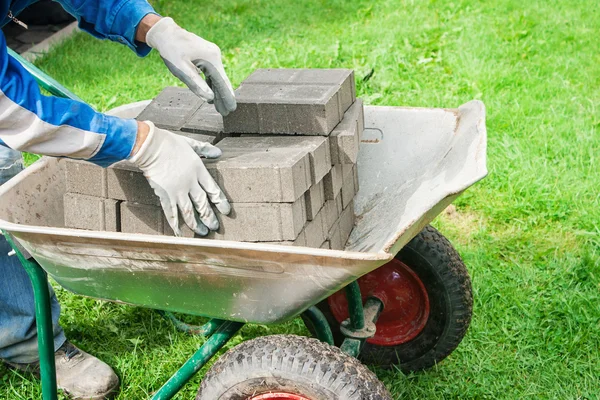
x: 32, y: 122
x: 116, y: 20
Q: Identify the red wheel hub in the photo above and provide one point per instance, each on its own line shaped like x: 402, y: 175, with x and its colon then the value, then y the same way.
x: 278, y: 396
x: 406, y: 303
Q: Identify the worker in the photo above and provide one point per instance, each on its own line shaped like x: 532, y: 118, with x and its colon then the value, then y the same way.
x: 32, y: 122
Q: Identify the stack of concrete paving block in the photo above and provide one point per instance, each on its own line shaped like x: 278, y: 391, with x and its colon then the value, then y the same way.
x: 288, y: 165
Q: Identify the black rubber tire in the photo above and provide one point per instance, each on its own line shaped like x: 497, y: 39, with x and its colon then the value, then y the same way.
x: 290, y: 364
x: 439, y: 266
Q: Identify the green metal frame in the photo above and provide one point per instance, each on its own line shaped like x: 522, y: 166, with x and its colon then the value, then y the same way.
x: 218, y: 332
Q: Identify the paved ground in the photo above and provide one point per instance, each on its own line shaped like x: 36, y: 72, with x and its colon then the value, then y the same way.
x: 20, y: 39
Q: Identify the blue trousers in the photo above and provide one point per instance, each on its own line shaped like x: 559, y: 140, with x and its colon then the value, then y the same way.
x: 18, y: 335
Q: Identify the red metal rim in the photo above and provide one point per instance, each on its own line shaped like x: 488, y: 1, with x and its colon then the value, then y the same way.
x: 278, y: 396
x: 405, y: 299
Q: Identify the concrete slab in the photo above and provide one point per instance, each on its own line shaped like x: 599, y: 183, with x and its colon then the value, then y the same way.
x: 343, y: 78
x: 126, y: 182
x: 85, y: 178
x: 284, y: 109
x: 345, y: 138
x: 261, y: 170
x: 314, y: 198
x: 347, y: 219
x: 91, y: 213
x: 315, y: 235
x: 333, y: 182
x: 205, y: 121
x: 171, y: 108
x: 141, y: 218
x: 262, y: 222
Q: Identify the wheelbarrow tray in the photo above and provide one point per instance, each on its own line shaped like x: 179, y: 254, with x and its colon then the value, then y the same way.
x: 413, y: 162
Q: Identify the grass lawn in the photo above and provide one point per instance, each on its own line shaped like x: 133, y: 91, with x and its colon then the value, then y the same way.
x: 529, y: 233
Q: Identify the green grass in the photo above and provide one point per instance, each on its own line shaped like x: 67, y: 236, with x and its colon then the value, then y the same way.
x: 529, y: 233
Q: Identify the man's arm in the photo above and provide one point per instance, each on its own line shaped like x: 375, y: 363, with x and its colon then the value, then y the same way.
x: 32, y: 122
x: 116, y: 20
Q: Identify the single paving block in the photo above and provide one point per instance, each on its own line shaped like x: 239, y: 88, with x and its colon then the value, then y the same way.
x: 348, y: 191
x: 261, y: 169
x: 126, y: 182
x: 206, y: 121
x: 344, y: 78
x: 315, y: 198
x: 199, y: 137
x: 85, y: 178
x: 331, y: 213
x: 347, y: 219
x: 92, y: 213
x: 262, y: 222
x: 315, y: 234
x: 326, y: 245
x: 355, y: 174
x: 333, y: 182
x: 171, y: 108
x: 335, y: 237
x: 345, y: 138
x: 284, y: 109
x: 142, y: 218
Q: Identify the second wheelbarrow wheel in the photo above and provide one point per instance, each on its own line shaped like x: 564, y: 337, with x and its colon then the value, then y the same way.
x: 288, y: 367
x: 427, y: 299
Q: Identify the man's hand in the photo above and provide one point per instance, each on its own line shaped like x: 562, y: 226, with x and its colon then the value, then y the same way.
x: 173, y: 167
x: 184, y: 53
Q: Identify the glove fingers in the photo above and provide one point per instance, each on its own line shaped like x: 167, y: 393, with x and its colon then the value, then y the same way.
x: 213, y: 191
x: 224, y: 96
x: 204, y: 149
x: 188, y: 74
x: 205, y: 212
x: 170, y: 209
x: 190, y: 217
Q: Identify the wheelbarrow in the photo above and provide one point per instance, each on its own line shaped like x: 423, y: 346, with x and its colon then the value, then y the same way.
x: 398, y: 295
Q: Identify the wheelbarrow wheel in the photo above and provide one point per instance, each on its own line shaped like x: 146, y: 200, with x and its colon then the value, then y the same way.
x: 427, y: 299
x: 288, y: 367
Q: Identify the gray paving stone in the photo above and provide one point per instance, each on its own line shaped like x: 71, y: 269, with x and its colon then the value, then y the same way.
x: 333, y: 182
x: 342, y: 78
x: 326, y: 245
x: 89, y: 212
x: 85, y: 178
x: 262, y: 222
x: 261, y: 170
x: 335, y: 237
x: 314, y: 198
x: 346, y: 222
x: 348, y: 191
x: 206, y: 121
x: 171, y: 108
x: 355, y: 174
x: 345, y: 138
x: 331, y: 213
x: 141, y: 218
x: 126, y: 182
x: 315, y: 235
x: 284, y: 109
x: 199, y: 137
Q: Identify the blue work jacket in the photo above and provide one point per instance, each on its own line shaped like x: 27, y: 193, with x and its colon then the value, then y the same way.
x: 33, y: 122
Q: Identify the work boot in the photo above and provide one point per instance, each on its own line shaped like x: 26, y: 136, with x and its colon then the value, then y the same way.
x: 79, y: 374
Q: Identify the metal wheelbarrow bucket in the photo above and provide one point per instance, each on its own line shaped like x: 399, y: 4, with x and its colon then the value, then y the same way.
x: 413, y: 162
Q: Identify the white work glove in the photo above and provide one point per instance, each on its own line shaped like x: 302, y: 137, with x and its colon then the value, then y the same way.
x: 184, y: 53
x: 173, y: 167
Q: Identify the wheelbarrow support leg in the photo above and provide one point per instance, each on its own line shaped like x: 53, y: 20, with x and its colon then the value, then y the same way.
x: 199, y: 330
x: 43, y: 320
x: 226, y: 330
x: 320, y: 324
x: 361, y: 324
